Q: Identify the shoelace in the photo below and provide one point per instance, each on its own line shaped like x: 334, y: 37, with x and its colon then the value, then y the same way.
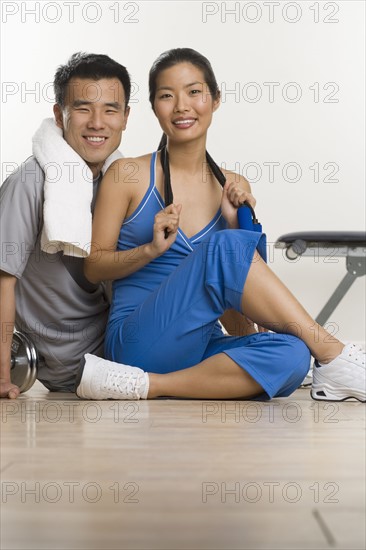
x: 126, y: 381
x: 357, y: 354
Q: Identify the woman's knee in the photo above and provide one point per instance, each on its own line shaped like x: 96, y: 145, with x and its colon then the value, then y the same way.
x: 298, y: 354
x: 233, y: 247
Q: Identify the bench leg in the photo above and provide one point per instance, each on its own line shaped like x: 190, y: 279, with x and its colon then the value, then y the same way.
x: 335, y: 298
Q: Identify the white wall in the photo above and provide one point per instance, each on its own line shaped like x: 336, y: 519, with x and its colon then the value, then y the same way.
x: 257, y: 51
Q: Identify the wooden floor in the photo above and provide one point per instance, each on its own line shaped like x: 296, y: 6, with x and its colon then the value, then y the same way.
x: 175, y: 474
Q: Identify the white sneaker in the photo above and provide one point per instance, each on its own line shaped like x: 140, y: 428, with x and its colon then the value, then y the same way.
x: 103, y: 379
x: 341, y: 379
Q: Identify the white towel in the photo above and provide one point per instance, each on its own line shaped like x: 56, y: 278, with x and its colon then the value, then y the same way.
x: 68, y: 192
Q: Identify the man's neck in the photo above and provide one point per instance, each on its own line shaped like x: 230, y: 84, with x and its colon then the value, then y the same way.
x: 96, y: 169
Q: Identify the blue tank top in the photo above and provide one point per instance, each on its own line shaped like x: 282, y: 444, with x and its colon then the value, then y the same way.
x: 137, y: 230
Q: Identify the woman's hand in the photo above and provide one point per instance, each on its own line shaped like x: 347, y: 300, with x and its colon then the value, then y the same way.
x: 167, y: 219
x: 233, y: 196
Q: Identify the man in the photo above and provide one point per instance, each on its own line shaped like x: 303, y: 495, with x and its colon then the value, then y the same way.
x: 43, y: 293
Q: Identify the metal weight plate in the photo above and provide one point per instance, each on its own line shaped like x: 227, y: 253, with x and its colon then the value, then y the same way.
x: 24, y: 361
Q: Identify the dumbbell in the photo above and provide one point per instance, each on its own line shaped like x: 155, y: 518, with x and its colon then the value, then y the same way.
x: 25, y: 361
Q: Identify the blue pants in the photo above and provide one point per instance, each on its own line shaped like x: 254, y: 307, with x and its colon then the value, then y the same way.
x: 176, y: 326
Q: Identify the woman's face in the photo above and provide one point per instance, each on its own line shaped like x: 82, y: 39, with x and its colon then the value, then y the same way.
x: 183, y: 103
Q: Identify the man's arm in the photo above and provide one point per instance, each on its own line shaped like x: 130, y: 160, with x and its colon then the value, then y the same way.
x: 7, y: 316
x: 21, y: 199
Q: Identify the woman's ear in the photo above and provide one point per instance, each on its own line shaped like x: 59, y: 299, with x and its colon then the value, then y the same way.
x: 57, y: 111
x: 216, y: 102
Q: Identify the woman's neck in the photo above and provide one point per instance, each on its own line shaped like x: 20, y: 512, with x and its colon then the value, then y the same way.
x: 188, y: 157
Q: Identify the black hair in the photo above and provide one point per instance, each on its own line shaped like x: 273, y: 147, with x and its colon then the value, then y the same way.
x: 164, y: 61
x: 89, y: 65
x: 168, y: 192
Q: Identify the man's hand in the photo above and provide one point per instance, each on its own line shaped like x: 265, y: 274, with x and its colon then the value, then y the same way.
x: 8, y: 389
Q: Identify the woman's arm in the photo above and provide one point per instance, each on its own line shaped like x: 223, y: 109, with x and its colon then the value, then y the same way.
x: 114, y: 197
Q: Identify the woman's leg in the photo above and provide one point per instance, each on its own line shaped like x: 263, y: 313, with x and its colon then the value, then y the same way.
x: 263, y: 298
x: 217, y: 377
x: 269, y: 303
x: 265, y: 364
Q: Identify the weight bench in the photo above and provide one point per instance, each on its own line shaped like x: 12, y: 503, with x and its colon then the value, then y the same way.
x: 348, y: 244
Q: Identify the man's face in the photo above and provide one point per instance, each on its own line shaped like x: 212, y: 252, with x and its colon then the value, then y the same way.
x: 93, y: 118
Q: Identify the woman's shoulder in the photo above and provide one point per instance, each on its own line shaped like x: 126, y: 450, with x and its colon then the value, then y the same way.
x: 236, y: 178
x: 141, y: 161
x: 130, y: 169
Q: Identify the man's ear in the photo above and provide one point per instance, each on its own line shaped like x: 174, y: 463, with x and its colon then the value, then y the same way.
x: 57, y: 111
x: 127, y: 113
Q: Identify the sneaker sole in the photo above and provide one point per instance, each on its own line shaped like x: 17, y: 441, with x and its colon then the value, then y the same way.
x: 79, y: 394
x: 331, y: 396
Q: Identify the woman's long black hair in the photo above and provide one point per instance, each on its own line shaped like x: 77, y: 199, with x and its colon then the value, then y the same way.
x: 164, y: 61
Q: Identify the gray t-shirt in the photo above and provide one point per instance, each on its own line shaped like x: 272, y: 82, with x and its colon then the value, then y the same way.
x: 62, y: 312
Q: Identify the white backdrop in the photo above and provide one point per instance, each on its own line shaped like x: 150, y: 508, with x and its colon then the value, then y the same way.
x: 292, y: 114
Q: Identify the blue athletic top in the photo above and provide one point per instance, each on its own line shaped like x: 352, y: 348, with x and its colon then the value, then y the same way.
x: 137, y: 230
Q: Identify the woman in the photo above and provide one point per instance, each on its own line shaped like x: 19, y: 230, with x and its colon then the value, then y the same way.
x: 178, y: 267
